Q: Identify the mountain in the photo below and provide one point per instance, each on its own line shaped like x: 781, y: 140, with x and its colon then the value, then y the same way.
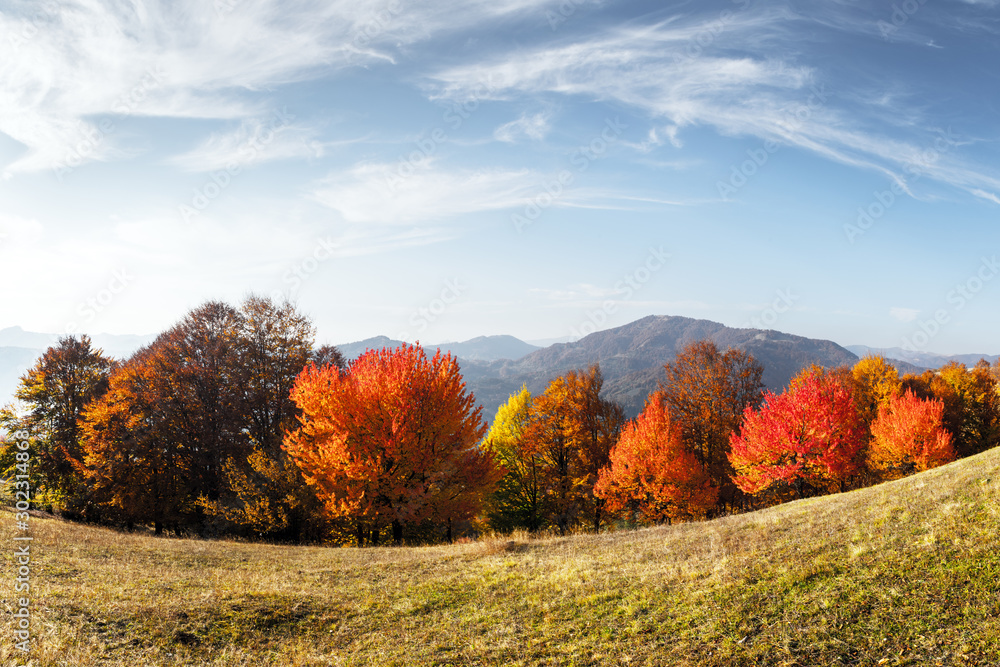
x: 489, y: 348
x: 632, y: 359
x: 916, y: 361
x: 14, y: 361
x: 483, y: 348
x: 19, y: 349
x: 354, y: 350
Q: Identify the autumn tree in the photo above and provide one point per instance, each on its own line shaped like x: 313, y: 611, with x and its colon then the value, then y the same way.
x: 138, y: 467
x: 909, y: 436
x: 212, y: 397
x: 265, y: 492
x: 971, y: 404
x: 875, y: 382
x: 652, y: 474
x: 55, y: 392
x: 392, y: 439
x: 518, y: 500
x: 804, y: 440
x: 707, y: 393
x: 593, y: 428
x: 572, y: 431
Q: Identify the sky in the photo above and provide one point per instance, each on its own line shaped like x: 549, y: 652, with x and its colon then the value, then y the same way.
x: 437, y: 171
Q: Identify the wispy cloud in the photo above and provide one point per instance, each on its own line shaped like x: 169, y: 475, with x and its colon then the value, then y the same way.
x: 253, y: 142
x: 64, y: 70
x: 746, y: 89
x: 903, y: 314
x: 376, y: 193
x: 533, y: 127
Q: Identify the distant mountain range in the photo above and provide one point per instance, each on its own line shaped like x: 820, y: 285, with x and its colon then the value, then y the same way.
x: 917, y: 362
x: 483, y: 348
x: 631, y: 357
x: 19, y: 349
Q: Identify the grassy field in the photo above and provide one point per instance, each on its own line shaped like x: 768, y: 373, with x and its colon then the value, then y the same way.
x: 906, y: 573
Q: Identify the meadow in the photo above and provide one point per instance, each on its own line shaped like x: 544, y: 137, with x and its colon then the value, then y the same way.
x: 903, y: 573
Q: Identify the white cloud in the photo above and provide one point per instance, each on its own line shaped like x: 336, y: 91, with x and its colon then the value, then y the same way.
x: 533, y: 127
x: 758, y: 95
x: 62, y: 71
x: 903, y: 314
x: 989, y: 196
x: 378, y: 193
x: 254, y: 142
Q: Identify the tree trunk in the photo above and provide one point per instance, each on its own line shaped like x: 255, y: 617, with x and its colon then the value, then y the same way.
x: 360, y: 533
x: 374, y: 538
x: 157, y: 528
x: 449, y: 530
x: 397, y: 532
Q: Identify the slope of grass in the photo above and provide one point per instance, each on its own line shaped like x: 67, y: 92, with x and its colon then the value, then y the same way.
x: 906, y: 573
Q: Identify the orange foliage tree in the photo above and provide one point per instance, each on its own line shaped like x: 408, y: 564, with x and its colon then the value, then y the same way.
x: 652, y: 474
x: 392, y: 439
x: 571, y: 433
x: 909, y: 436
x: 805, y: 439
x: 137, y: 466
x: 707, y: 392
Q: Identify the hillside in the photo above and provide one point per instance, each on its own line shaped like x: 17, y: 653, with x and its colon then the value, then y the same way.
x: 906, y: 573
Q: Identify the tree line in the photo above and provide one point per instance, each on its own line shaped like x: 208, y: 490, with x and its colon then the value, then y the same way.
x: 233, y: 422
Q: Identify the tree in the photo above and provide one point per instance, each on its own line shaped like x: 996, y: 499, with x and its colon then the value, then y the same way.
x: 707, y: 393
x: 875, y: 383
x: 909, y: 436
x: 572, y: 431
x: 136, y: 467
x: 265, y: 492
x: 805, y: 439
x: 593, y: 427
x: 393, y: 439
x: 651, y: 472
x: 55, y: 392
x: 518, y: 500
x: 971, y: 404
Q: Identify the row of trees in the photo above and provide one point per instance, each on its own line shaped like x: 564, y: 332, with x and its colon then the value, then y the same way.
x: 186, y: 434
x: 232, y: 422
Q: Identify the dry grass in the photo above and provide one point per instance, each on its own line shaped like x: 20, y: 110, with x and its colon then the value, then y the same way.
x: 907, y: 573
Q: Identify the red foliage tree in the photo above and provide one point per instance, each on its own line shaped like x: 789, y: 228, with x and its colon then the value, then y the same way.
x: 909, y: 436
x: 392, y: 439
x: 652, y: 473
x: 807, y: 438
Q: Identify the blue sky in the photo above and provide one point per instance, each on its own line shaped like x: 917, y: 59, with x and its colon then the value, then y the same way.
x: 438, y: 171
